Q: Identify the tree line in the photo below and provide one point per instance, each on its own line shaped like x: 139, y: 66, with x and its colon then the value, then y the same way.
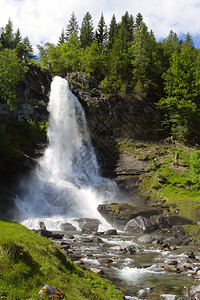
x: 128, y: 61
x: 15, y: 51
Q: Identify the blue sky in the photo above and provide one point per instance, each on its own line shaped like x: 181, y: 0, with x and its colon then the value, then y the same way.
x: 43, y: 20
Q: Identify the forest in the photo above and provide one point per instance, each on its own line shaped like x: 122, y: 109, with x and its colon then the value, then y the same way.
x: 125, y: 58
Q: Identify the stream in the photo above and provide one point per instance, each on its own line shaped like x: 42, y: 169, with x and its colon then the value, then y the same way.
x: 139, y: 275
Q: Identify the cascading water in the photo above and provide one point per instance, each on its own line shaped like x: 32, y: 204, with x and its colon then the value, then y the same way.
x: 66, y: 183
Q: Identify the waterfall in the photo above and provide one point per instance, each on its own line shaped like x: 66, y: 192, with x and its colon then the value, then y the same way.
x: 67, y: 182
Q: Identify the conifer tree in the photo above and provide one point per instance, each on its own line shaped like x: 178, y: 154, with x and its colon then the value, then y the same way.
x: 62, y: 38
x: 7, y: 36
x: 86, y: 32
x: 112, y: 33
x: 101, y: 32
x: 72, y: 27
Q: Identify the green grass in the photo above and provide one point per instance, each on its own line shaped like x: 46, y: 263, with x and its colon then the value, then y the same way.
x: 28, y: 262
x: 173, y: 175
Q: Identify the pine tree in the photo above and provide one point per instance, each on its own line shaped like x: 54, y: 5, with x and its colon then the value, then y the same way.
x: 87, y: 34
x: 72, y: 27
x: 101, y: 32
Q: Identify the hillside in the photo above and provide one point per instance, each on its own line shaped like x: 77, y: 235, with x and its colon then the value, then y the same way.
x: 28, y: 262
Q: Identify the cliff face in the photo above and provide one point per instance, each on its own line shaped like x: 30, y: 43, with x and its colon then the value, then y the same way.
x: 32, y: 97
x: 116, y: 117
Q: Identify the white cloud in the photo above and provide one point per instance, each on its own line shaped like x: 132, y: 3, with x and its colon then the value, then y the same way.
x: 43, y: 20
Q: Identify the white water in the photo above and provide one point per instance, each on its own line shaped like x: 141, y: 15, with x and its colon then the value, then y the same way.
x: 67, y: 183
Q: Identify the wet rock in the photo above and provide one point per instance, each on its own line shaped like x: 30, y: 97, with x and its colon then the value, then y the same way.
x: 97, y: 271
x: 42, y: 225
x: 90, y: 227
x: 51, y: 292
x: 45, y: 233
x: 57, y: 236
x: 195, y: 292
x: 145, y: 239
x: 69, y: 236
x: 191, y: 255
x: 118, y: 214
x: 110, y: 232
x: 67, y: 227
x: 128, y: 249
x: 140, y: 224
x: 105, y: 260
x: 82, y: 221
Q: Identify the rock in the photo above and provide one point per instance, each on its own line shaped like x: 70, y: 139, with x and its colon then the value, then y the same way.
x: 57, y: 236
x: 90, y: 227
x: 140, y: 224
x: 191, y: 255
x: 51, y: 292
x: 178, y: 220
x: 82, y: 221
x: 69, y: 236
x: 110, y: 232
x: 128, y: 249
x: 67, y: 227
x: 105, y: 260
x: 44, y: 233
x: 118, y: 214
x: 97, y: 271
x: 145, y: 239
x: 195, y: 292
x: 42, y: 225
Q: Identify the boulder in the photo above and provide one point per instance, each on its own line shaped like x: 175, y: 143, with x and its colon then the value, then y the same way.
x: 90, y: 227
x: 140, y: 224
x: 118, y: 214
x: 110, y: 232
x: 178, y: 220
x: 82, y: 221
x: 195, y: 292
x: 145, y: 239
x: 67, y: 227
x: 128, y: 249
x: 51, y: 292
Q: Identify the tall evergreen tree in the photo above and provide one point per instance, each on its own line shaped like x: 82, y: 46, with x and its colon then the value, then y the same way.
x: 72, y: 27
x: 7, y: 36
x: 102, y: 32
x: 139, y: 20
x: 62, y: 38
x: 126, y: 30
x: 112, y: 33
x: 87, y: 31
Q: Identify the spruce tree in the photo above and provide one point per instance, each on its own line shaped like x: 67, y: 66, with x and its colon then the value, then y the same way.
x: 101, y: 32
x: 87, y: 34
x: 62, y: 38
x: 72, y: 27
x: 112, y: 33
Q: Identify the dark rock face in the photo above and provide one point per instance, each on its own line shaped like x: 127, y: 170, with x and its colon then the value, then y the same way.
x: 118, y: 215
x: 32, y: 97
x: 114, y: 116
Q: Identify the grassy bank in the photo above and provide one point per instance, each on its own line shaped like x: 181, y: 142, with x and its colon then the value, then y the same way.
x: 28, y: 262
x: 172, y: 177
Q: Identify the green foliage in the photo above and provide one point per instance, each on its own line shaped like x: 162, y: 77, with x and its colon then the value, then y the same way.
x: 87, y: 31
x: 182, y: 89
x: 11, y: 72
x: 28, y: 262
x: 29, y: 132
